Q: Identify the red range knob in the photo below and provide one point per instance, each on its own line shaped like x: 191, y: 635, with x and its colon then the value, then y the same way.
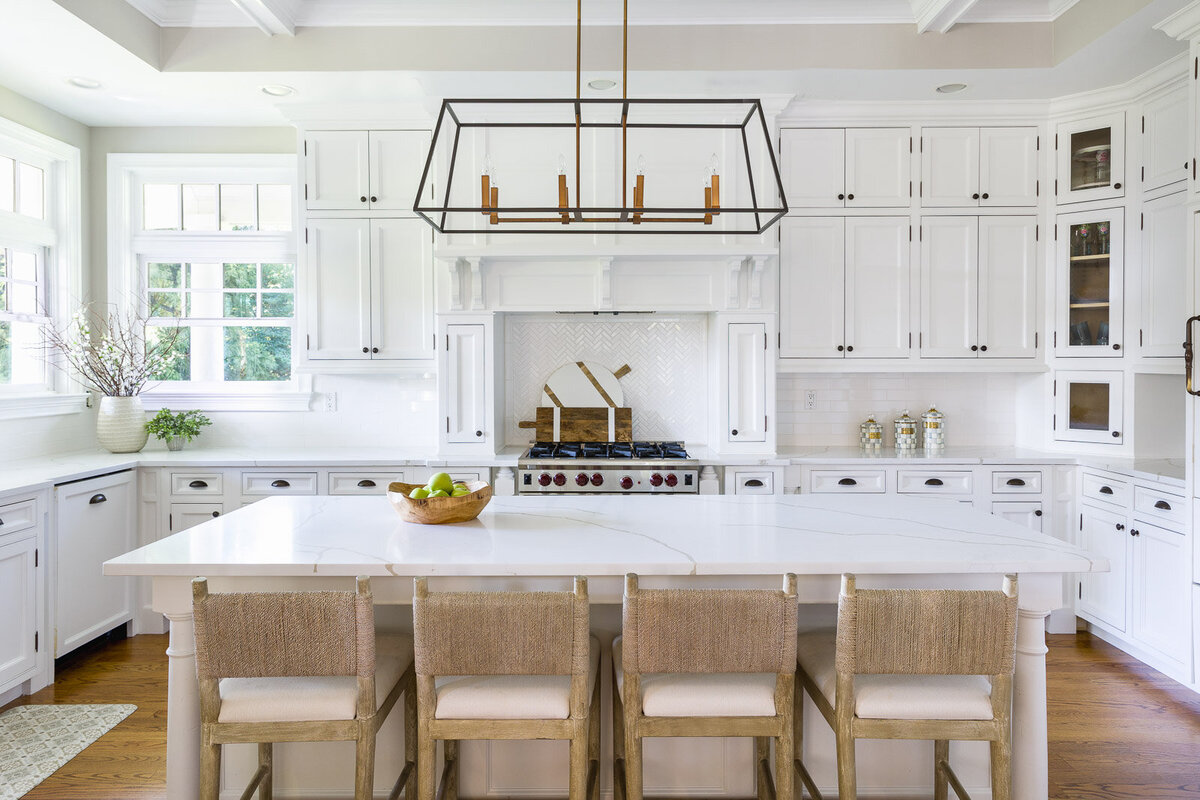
x: 581, y: 479
x: 544, y: 479
x: 597, y: 479
x: 560, y: 479
x: 671, y: 479
x: 626, y: 482
x: 656, y: 479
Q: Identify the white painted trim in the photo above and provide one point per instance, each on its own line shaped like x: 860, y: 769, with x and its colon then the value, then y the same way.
x: 224, y: 401
x: 41, y: 405
x: 939, y: 16
x: 271, y: 17
x: 1183, y: 24
x: 1116, y: 98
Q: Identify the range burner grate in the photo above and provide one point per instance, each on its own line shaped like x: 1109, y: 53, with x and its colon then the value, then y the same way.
x: 607, y: 450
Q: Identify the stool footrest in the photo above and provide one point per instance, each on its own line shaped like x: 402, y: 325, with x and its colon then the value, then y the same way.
x: 808, y: 782
x: 952, y: 779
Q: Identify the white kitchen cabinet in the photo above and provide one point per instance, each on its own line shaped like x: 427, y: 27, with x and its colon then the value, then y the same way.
x: 1163, y: 276
x: 1165, y: 156
x: 95, y: 521
x: 978, y: 287
x: 21, y: 572
x: 361, y: 170
x: 1089, y: 315
x: 970, y: 167
x: 747, y: 385
x: 1025, y: 513
x: 464, y: 385
x: 369, y: 481
x: 846, y: 168
x: 1090, y: 159
x: 182, y: 516
x: 1088, y: 406
x: 844, y: 287
x: 1160, y: 583
x: 1102, y: 594
x: 370, y: 290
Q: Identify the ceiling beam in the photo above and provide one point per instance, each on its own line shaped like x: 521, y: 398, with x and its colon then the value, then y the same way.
x: 271, y: 16
x: 939, y: 15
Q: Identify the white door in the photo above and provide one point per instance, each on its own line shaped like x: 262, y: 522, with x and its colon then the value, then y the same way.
x: 1160, y: 588
x: 747, y: 382
x: 182, y: 516
x: 1007, y: 287
x: 96, y: 522
x: 18, y: 598
x: 1090, y: 154
x: 466, y: 384
x: 812, y: 273
x: 1164, y: 276
x: 950, y: 167
x: 335, y: 170
x: 338, y: 324
x: 397, y: 159
x: 878, y: 167
x: 877, y: 287
x: 1028, y: 514
x: 401, y: 289
x: 811, y: 163
x: 1165, y: 157
x: 1008, y: 167
x: 949, y: 287
x: 1102, y: 594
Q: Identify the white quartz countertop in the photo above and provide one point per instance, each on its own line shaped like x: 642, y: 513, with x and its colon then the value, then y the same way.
x: 606, y: 535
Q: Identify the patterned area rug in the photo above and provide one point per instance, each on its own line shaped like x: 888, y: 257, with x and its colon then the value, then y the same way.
x: 36, y: 740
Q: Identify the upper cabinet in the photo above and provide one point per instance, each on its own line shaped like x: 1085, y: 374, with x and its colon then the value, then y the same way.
x: 1165, y: 157
x: 1090, y: 157
x: 364, y: 170
x: 1090, y: 283
x: 846, y: 168
x: 979, y: 167
x: 1164, y: 276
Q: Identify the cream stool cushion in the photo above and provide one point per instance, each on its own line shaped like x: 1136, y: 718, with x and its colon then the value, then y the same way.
x: 510, y: 696
x: 320, y: 698
x: 896, y: 696
x: 721, y: 694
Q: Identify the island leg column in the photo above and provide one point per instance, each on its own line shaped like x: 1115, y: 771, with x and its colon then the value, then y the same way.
x: 183, y: 710
x: 1031, y: 774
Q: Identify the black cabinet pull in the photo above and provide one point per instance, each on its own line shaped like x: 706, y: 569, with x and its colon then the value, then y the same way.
x: 1163, y: 504
x: 1120, y: 526
x: 974, y: 347
x: 975, y: 196
x: 755, y: 482
x: 985, y: 195
x: 847, y: 482
x: 197, y: 484
x: 934, y: 482
x: 1116, y: 434
x: 733, y: 432
x: 374, y: 199
x: 983, y: 348
x: 362, y: 199
x: 216, y: 514
x: 1037, y: 512
x: 849, y: 348
x: 366, y: 483
x: 850, y: 196
x: 1135, y: 532
x: 97, y: 498
x: 366, y: 349
x: 374, y: 349
x: 841, y: 348
x: 280, y: 483
x: 1116, y: 186
x: 479, y: 433
x: 1014, y: 482
x: 1105, y: 490
x: 841, y: 197
x: 1116, y: 347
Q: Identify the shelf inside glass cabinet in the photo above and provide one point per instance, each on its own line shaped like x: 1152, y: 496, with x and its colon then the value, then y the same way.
x: 1091, y: 154
x: 1088, y: 303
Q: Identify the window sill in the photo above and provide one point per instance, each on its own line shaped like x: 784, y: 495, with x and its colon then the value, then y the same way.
x: 289, y: 397
x: 24, y: 406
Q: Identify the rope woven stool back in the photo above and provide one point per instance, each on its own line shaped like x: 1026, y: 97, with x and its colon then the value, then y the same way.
x: 501, y: 633
x: 284, y: 634
x: 709, y: 630
x: 926, y: 631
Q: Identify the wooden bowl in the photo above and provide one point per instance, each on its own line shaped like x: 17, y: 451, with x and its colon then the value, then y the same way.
x: 437, y: 510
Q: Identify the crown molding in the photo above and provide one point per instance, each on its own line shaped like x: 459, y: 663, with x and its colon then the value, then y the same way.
x: 1184, y: 24
x: 1113, y: 98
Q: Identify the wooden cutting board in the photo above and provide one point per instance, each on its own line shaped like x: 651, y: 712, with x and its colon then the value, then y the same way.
x: 582, y: 424
x: 584, y: 384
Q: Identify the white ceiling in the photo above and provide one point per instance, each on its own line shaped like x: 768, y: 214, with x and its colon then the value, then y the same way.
x: 159, y: 74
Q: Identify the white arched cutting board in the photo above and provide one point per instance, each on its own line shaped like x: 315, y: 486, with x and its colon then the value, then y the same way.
x: 584, y: 384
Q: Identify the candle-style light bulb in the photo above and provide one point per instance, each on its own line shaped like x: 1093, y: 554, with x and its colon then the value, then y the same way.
x: 713, y: 165
x: 641, y: 164
x: 487, y: 164
x: 562, y: 164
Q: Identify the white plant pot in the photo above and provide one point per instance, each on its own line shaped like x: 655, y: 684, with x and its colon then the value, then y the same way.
x: 121, y: 424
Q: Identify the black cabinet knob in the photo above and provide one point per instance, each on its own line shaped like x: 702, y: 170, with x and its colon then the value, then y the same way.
x: 850, y: 196
x: 1116, y: 347
x: 983, y: 348
x: 1037, y: 512
x: 216, y: 513
x: 374, y: 349
x: 362, y: 199
x: 479, y: 433
x: 849, y: 348
x: 985, y: 195
x: 1116, y: 186
x: 1135, y: 532
x: 1120, y: 526
x: 975, y: 196
x: 841, y: 197
x: 1116, y: 434
x: 733, y: 432
x: 840, y: 348
x: 366, y: 350
x: 280, y: 483
x: 974, y: 348
x: 374, y: 199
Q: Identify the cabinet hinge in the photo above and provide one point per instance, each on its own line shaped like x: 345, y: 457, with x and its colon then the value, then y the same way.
x: 1193, y: 169
x: 1195, y: 68
x: 1037, y: 232
x: 434, y: 335
x: 922, y: 144
x: 36, y: 641
x: 447, y: 343
x: 921, y: 189
x: 306, y: 235
x: 1081, y: 582
x: 306, y: 152
x: 35, y: 557
x: 1038, y: 145
x: 910, y: 188
x: 910, y: 233
x: 910, y: 340
x: 764, y: 340
x: 170, y: 522
x: 1035, y: 340
x: 779, y: 339
x: 1143, y: 174
x: 1056, y: 187
x: 1143, y: 131
x: 1054, y: 422
x: 921, y: 339
x: 447, y: 424
x: 1056, y: 339
x: 764, y: 423
x: 1056, y: 231
x: 1081, y: 527
x: 910, y: 144
x: 306, y: 191
x: 1142, y: 222
x: 920, y: 234
x: 1056, y: 141
x: 1054, y: 389
x: 1037, y: 188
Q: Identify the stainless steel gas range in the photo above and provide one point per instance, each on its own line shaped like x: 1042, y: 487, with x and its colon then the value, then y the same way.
x: 607, y: 468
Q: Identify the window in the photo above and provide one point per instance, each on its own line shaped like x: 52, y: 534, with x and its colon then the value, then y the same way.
x: 22, y: 314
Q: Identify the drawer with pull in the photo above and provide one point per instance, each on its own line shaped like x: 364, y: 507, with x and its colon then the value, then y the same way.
x: 1107, y: 490
x: 1017, y: 482
x: 362, y: 482
x: 749, y: 481
x: 270, y: 483
x: 197, y: 484
x: 924, y: 481
x: 1159, y: 505
x: 851, y: 481
x: 16, y: 517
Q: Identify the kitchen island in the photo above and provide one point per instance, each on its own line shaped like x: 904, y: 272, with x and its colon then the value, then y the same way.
x: 528, y: 542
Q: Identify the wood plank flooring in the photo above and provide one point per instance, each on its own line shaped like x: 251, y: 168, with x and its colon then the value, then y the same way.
x: 1118, y: 729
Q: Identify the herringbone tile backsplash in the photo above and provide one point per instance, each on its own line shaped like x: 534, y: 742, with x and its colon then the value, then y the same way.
x: 667, y: 387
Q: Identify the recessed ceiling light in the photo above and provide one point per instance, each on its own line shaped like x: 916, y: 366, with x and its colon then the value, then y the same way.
x: 951, y: 88
x: 601, y: 84
x: 277, y: 90
x: 83, y: 83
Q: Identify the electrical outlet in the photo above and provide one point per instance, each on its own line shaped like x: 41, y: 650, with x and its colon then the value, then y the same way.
x: 810, y: 400
x: 331, y: 401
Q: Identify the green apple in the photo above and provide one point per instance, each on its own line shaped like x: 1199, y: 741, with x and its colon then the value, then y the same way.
x: 439, y: 493
x: 419, y: 493
x: 460, y: 491
x: 441, y: 481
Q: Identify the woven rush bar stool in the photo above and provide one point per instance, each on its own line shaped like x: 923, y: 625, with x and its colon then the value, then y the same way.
x: 505, y: 665
x: 914, y: 664
x: 705, y: 662
x: 298, y: 667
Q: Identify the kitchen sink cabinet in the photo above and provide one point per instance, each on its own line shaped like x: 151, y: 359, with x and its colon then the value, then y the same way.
x: 1089, y: 316
x: 22, y: 576
x: 358, y: 170
x: 846, y: 168
x: 1166, y: 158
x: 1090, y: 159
x: 1163, y: 302
x: 979, y: 167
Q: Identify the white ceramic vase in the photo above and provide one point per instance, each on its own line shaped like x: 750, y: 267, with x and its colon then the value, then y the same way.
x: 121, y: 424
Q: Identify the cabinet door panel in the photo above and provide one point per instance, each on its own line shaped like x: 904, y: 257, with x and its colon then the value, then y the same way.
x: 1102, y: 594
x: 1165, y: 156
x: 397, y: 159
x: 335, y: 169
x: 747, y: 382
x: 812, y: 166
x: 188, y: 515
x: 1159, y: 590
x: 950, y: 167
x: 1088, y: 406
x: 812, y: 255
x: 878, y: 172
x: 1028, y: 514
x: 1164, y: 276
x: 18, y: 598
x: 877, y: 287
x: 339, y: 289
x: 466, y: 384
x: 402, y: 288
x: 949, y: 287
x: 1007, y: 287
x: 1091, y: 159
x: 1008, y: 167
x: 1091, y: 286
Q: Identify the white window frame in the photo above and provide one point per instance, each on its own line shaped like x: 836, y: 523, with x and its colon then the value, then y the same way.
x: 60, y: 233
x: 130, y: 247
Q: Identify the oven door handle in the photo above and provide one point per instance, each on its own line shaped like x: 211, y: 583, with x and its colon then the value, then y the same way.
x: 1187, y: 355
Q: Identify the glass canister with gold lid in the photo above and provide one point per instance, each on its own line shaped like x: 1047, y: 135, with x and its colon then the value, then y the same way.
x: 906, y: 433
x: 870, y: 434
x: 934, y: 424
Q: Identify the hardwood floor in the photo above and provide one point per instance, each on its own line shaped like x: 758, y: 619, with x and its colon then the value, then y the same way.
x: 1117, y: 729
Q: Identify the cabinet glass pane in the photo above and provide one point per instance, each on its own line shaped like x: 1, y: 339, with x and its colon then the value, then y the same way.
x: 1090, y: 154
x: 1089, y: 284
x: 1088, y: 406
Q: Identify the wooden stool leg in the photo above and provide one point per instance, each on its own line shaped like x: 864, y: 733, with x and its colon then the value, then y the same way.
x: 633, y: 765
x: 426, y: 752
x: 266, y: 758
x: 620, y: 776
x: 941, y: 753
x: 785, y: 771
x: 451, y: 752
x: 847, y: 779
x: 364, y: 764
x: 210, y: 771
x: 762, y: 752
x: 410, y: 740
x: 578, y: 748
x: 1001, y: 769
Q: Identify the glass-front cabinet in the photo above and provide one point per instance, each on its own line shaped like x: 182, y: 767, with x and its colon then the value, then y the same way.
x: 1090, y: 267
x: 1091, y: 159
x: 1088, y: 406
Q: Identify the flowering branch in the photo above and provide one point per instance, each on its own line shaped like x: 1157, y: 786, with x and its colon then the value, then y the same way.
x: 110, y: 353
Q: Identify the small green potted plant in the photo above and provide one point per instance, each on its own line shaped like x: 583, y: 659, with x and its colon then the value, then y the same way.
x: 177, y: 428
